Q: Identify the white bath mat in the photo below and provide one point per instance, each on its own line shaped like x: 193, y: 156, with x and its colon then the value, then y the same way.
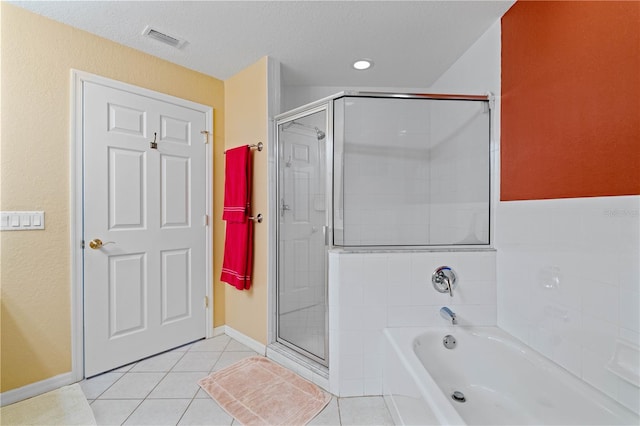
x: 64, y: 406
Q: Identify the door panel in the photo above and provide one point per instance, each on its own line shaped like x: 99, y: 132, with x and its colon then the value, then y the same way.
x: 175, y: 190
x: 127, y: 197
x: 175, y: 130
x: 144, y: 288
x: 126, y: 120
x: 302, y: 250
x: 176, y: 285
x: 127, y: 290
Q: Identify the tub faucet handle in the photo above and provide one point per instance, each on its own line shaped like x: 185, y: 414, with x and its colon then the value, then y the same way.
x: 449, y: 315
x: 447, y: 281
x: 444, y: 280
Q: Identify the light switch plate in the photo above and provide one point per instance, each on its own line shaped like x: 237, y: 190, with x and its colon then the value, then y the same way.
x: 21, y: 221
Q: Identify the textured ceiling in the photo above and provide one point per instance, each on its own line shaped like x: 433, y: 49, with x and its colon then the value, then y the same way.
x: 411, y: 42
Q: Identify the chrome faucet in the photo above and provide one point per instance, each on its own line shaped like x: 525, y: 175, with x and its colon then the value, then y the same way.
x: 449, y: 286
x: 444, y: 279
x: 448, y: 314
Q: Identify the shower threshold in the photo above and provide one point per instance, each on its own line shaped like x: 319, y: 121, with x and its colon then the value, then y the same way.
x: 291, y: 359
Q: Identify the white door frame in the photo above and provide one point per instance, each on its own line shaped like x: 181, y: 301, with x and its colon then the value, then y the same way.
x: 76, y: 204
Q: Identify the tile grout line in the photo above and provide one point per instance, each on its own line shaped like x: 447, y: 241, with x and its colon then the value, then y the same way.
x: 132, y: 411
x: 145, y: 398
x: 198, y: 390
x: 152, y: 389
x: 169, y: 371
x: 187, y: 408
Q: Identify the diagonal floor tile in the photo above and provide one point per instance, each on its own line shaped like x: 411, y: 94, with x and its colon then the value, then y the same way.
x: 95, y: 386
x: 197, y: 361
x: 235, y: 346
x: 369, y: 410
x: 113, y: 411
x: 329, y: 416
x: 215, y: 344
x: 133, y: 386
x: 178, y: 385
x: 160, y: 363
x: 228, y: 358
x: 158, y: 412
x: 205, y: 412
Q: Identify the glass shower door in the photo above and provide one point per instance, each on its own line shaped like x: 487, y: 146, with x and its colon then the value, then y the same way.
x: 302, y: 251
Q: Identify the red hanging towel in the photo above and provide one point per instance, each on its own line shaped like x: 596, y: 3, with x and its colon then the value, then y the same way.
x: 238, y: 254
x: 238, y: 246
x: 237, y: 184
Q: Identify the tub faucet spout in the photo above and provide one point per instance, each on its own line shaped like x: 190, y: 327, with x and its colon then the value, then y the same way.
x: 449, y: 315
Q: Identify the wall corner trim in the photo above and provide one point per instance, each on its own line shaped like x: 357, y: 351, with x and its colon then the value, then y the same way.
x: 218, y: 331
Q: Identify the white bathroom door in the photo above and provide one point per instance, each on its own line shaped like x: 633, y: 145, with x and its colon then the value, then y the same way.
x: 144, y: 288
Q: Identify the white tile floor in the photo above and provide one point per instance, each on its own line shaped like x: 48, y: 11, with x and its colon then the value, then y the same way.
x: 163, y: 390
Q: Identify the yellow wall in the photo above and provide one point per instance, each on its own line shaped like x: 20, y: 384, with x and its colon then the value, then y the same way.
x: 37, y: 55
x: 246, y: 123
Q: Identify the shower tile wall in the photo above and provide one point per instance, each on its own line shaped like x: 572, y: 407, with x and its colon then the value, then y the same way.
x: 371, y: 291
x: 379, y: 178
x: 569, y: 283
x: 416, y: 172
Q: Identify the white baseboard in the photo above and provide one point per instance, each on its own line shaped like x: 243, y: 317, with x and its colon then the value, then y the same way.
x: 219, y: 331
x: 37, y: 388
x: 245, y: 340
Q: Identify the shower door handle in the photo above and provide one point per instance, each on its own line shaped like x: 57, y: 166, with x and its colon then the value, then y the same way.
x: 283, y: 207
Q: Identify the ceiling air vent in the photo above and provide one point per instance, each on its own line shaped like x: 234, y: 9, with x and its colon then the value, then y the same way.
x: 164, y: 37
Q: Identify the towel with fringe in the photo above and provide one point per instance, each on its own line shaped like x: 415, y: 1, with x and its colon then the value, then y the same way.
x: 238, y: 254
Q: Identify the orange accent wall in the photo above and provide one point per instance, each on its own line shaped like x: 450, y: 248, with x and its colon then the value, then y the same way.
x: 570, y: 119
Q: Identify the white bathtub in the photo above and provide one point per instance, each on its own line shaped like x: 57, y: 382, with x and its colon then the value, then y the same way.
x: 504, y: 382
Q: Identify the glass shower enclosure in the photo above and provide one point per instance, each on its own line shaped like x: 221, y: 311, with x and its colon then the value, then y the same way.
x: 303, y: 225
x: 368, y: 171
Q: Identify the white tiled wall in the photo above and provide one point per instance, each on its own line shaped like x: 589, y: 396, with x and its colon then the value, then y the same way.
x: 371, y: 291
x: 416, y: 172
x: 569, y: 283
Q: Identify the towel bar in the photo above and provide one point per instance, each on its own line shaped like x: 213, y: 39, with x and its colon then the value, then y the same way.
x: 259, y: 145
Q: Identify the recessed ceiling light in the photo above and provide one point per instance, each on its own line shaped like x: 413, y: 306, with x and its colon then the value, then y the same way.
x: 363, y: 64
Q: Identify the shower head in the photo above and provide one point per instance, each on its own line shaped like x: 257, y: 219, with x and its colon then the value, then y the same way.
x: 319, y: 133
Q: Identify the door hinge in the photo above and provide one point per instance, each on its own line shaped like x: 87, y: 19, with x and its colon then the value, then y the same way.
x: 206, y: 301
x: 206, y: 135
x: 205, y: 220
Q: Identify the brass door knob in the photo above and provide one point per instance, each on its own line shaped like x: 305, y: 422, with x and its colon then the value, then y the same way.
x: 96, y: 243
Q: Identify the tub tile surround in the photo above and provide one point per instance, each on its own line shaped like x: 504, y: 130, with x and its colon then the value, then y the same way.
x: 568, y: 273
x: 372, y: 291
